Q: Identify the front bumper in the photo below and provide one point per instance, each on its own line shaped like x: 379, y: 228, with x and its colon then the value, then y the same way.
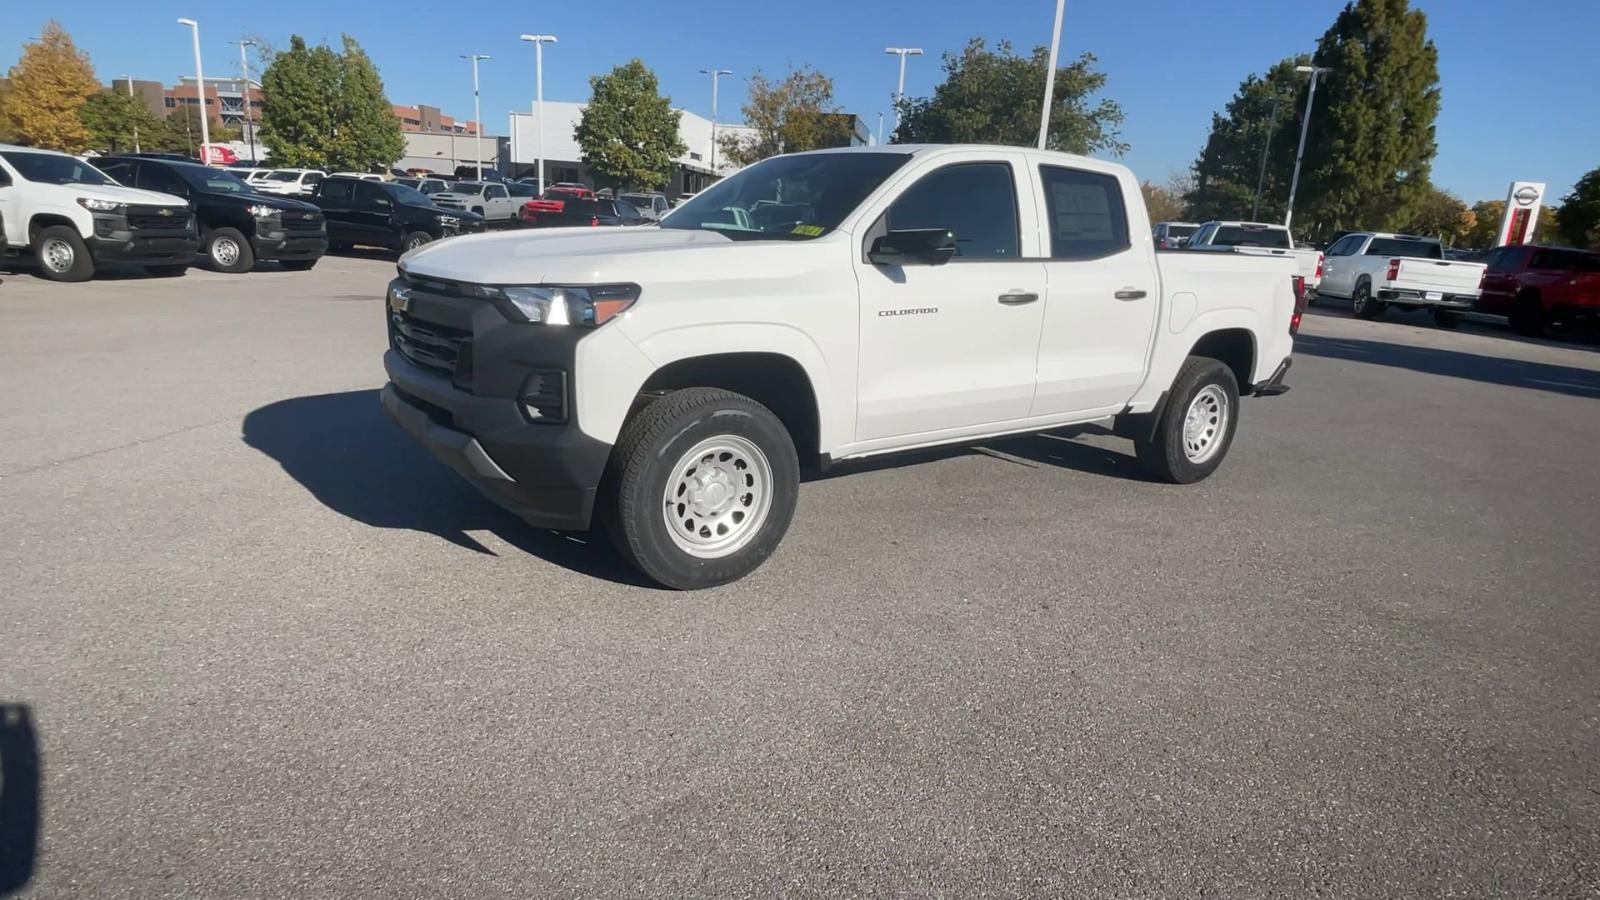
x: 295, y: 247
x: 156, y: 251
x: 1419, y: 298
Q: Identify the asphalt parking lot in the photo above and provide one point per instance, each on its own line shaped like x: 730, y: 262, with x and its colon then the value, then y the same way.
x: 268, y: 648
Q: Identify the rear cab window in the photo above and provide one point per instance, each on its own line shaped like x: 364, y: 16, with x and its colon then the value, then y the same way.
x: 1251, y: 236
x: 1409, y: 247
x: 1086, y: 212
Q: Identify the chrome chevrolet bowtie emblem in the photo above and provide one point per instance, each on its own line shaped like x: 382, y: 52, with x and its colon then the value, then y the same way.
x: 165, y: 212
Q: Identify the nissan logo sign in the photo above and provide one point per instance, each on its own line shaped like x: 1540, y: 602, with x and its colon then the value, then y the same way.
x: 1526, y: 196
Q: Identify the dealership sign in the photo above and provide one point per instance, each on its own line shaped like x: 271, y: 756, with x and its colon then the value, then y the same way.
x: 1522, y: 213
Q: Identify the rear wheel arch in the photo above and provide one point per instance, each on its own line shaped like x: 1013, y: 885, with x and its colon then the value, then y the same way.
x: 1234, y: 348
x: 774, y: 380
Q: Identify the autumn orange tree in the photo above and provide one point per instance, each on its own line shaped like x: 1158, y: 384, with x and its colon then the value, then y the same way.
x: 49, y: 85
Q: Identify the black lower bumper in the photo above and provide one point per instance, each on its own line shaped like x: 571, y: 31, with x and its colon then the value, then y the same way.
x: 1274, y: 386
x: 293, y: 248
x: 1417, y: 298
x: 162, y: 251
x: 548, y: 475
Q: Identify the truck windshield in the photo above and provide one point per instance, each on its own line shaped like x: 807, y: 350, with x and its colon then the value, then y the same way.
x: 792, y: 198
x: 1245, y: 236
x: 407, y: 196
x: 466, y: 187
x: 281, y: 175
x: 1405, y: 247
x: 53, y: 168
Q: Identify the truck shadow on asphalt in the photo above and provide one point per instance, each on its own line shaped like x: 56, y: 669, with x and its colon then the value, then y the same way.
x: 345, y: 451
x: 1536, y: 376
x: 19, y: 798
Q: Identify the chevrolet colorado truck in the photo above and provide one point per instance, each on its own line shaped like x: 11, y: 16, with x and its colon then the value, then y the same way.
x: 70, y: 217
x: 669, y: 383
x: 1374, y: 270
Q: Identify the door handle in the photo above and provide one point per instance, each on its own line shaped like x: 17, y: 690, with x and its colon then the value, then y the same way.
x: 1130, y: 294
x: 1017, y: 298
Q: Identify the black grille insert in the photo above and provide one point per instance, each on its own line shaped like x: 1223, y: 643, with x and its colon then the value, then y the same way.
x: 437, y: 348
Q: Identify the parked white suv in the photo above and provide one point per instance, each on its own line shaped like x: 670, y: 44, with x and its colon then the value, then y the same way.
x: 1375, y: 269
x: 490, y: 199
x: 817, y: 307
x: 70, y: 217
x: 292, y: 182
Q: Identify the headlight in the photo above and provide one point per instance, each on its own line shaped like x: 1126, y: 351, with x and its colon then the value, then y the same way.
x: 562, y: 305
x: 262, y: 211
x: 95, y: 204
x: 448, y: 220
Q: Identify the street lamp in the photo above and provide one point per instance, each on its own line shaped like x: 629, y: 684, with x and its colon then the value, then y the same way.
x: 200, y: 89
x: 244, y: 69
x: 1305, y: 123
x: 477, y: 115
x: 900, y: 92
x: 129, y: 80
x: 538, y: 41
x: 715, y: 74
x: 1050, y: 75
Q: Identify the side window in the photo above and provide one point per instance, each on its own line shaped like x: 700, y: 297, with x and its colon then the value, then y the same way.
x: 5, y: 178
x: 1203, y: 236
x: 1087, y: 217
x: 313, y: 178
x: 1343, y: 246
x: 335, y: 190
x: 496, y: 192
x: 121, y: 172
x: 976, y: 201
x: 160, y: 178
x: 369, y: 195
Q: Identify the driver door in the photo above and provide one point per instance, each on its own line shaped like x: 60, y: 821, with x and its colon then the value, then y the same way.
x: 953, y: 346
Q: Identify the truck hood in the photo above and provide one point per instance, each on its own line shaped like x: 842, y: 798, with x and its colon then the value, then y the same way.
x: 68, y: 194
x: 574, y: 255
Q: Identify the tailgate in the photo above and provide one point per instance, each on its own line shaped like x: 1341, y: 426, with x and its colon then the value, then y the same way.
x: 1438, y: 275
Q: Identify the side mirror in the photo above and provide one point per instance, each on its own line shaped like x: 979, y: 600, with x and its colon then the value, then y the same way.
x: 913, y: 247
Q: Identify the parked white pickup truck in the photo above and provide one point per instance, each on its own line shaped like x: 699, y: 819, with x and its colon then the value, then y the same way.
x: 71, y: 217
x: 1260, y: 239
x: 813, y: 308
x: 1374, y: 270
x: 489, y: 199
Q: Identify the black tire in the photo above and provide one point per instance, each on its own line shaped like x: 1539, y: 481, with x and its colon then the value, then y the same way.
x: 652, y: 452
x: 1362, y: 302
x: 228, y: 250
x: 1528, y: 317
x: 62, y: 255
x: 1163, y: 452
x: 298, y: 265
x: 413, y: 240
x: 168, y: 271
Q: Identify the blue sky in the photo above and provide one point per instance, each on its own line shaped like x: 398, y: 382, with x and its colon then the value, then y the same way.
x: 1520, y: 97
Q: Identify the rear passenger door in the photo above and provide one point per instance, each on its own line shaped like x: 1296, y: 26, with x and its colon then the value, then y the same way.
x: 1101, y: 291
x: 337, y: 198
x: 1339, y: 266
x: 374, y: 216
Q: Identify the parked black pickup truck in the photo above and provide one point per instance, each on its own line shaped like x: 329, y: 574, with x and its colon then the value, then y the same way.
x: 237, y: 225
x: 385, y: 214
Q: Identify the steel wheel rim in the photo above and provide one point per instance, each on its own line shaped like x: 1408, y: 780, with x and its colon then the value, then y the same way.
x: 58, y: 255
x: 415, y: 242
x: 1360, y: 299
x: 1205, y: 423
x: 717, y: 497
x: 225, y: 251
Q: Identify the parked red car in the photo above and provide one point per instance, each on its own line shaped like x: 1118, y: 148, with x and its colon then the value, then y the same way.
x: 553, y: 202
x: 1538, y: 286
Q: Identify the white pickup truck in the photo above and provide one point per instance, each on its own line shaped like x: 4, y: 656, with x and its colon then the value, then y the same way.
x: 1374, y: 270
x: 817, y: 307
x: 489, y: 199
x: 1258, y: 239
x: 71, y: 217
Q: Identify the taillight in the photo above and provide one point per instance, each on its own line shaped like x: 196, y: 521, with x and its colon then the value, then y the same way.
x: 1394, y: 269
x: 1299, y: 282
x: 1320, y: 260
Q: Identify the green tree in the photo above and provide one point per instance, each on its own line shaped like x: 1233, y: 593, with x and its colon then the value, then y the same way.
x: 1441, y: 214
x: 1162, y: 204
x: 49, y: 84
x: 1263, y: 116
x: 629, y: 132
x: 792, y: 115
x: 300, y: 100
x: 1579, y: 215
x: 8, y: 129
x: 992, y: 97
x: 115, y: 120
x: 1486, y: 215
x: 369, y: 137
x: 1371, y: 142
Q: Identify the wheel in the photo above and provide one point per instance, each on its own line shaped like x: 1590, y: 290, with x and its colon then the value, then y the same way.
x: 1362, y: 303
x: 1311, y: 297
x: 167, y: 271
x: 702, y: 487
x: 298, y: 265
x: 227, y: 250
x: 1528, y: 317
x: 414, y: 240
x: 61, y: 254
x: 1447, y: 318
x: 1196, y: 427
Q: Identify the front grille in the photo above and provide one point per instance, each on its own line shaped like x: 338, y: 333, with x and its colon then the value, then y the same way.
x: 305, y: 223
x: 449, y: 202
x: 437, y: 348
x: 150, y: 218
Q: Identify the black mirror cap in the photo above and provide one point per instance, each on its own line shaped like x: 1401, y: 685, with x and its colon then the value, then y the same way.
x: 913, y: 247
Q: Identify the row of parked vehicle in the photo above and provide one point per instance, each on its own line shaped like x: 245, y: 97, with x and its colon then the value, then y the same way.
x: 1533, y: 287
x: 166, y: 212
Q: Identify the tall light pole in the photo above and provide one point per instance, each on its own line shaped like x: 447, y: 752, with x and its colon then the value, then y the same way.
x: 129, y: 80
x: 538, y: 41
x: 880, y: 129
x: 1261, y: 178
x: 1050, y: 75
x: 244, y: 69
x: 200, y: 89
x: 900, y: 91
x: 715, y: 75
x: 1305, y: 123
x: 477, y: 114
